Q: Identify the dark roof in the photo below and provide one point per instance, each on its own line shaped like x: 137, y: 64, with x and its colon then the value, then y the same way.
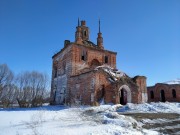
x: 89, y: 43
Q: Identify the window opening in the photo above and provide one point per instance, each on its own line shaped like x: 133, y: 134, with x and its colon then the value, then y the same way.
x: 106, y: 59
x: 83, y: 55
x: 152, y: 95
x: 174, y: 93
x: 55, y: 72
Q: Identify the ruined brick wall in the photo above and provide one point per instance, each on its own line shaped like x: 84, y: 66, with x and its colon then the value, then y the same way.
x: 74, y: 80
x: 155, y: 94
x: 135, y: 94
x: 133, y: 89
x: 89, y: 54
x: 68, y: 62
x: 81, y: 88
x: 113, y: 92
x: 89, y: 88
x: 142, y: 88
x: 101, y: 86
x: 61, y: 71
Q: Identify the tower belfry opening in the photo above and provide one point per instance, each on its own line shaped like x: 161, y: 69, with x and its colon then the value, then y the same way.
x: 82, y: 31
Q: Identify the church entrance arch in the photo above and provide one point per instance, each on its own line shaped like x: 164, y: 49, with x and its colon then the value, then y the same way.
x: 124, y: 95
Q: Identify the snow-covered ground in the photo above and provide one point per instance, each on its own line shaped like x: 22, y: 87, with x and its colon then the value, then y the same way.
x: 61, y: 120
x: 151, y: 108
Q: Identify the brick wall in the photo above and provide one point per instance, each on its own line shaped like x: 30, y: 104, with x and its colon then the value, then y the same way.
x: 167, y: 92
x: 61, y: 71
x: 90, y: 54
x: 75, y: 80
x: 81, y: 87
x: 142, y: 88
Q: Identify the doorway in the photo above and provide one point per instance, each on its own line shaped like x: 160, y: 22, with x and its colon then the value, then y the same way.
x: 162, y: 96
x: 123, y: 96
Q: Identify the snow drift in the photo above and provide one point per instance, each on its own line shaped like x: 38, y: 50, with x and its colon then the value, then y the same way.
x: 101, y: 120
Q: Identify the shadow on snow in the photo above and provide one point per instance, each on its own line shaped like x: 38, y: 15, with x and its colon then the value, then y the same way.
x: 46, y: 108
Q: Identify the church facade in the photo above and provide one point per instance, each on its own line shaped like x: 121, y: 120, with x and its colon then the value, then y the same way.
x: 85, y: 73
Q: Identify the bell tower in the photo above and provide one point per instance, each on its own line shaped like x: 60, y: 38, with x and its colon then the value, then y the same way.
x: 82, y: 32
x: 100, y: 38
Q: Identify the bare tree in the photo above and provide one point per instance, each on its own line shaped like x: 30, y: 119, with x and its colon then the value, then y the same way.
x: 6, y: 77
x: 24, y: 93
x: 32, y: 88
x: 39, y: 84
x: 28, y: 88
x: 6, y: 87
x: 9, y: 95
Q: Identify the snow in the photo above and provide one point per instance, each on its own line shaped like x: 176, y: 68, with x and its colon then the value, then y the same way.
x: 176, y: 81
x: 149, y: 121
x: 152, y: 107
x: 101, y: 120
x: 102, y: 101
x: 115, y: 74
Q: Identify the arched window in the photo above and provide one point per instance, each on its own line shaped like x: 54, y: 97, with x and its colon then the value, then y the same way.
x: 174, y: 93
x: 64, y: 67
x: 54, y: 96
x: 83, y: 55
x: 106, y: 59
x: 162, y: 96
x: 55, y: 72
x: 85, y: 33
x: 152, y: 94
x: 95, y: 63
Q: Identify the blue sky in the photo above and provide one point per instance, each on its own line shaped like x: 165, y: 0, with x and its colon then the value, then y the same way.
x: 144, y: 33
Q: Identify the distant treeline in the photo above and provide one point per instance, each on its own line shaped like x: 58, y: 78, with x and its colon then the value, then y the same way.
x: 27, y: 89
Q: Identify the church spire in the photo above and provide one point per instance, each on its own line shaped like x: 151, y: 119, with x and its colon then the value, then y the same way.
x: 78, y: 21
x: 100, y: 38
x: 78, y: 36
x: 99, y: 26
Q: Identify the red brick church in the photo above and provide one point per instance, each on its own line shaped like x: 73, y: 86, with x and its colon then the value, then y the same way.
x: 85, y: 73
